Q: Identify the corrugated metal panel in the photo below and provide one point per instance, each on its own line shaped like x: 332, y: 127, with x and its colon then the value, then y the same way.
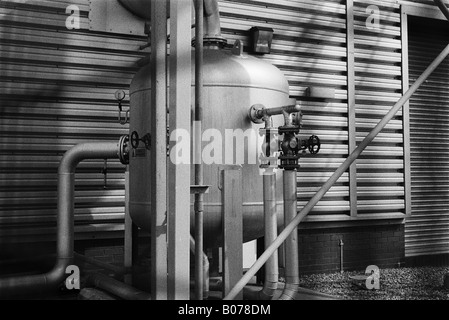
x: 57, y: 90
x: 427, y: 230
x: 380, y: 174
x: 309, y: 46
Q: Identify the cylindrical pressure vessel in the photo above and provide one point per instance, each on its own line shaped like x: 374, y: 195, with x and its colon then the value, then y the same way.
x: 233, y: 82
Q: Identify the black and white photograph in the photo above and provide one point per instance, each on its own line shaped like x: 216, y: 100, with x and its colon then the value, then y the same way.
x: 224, y: 155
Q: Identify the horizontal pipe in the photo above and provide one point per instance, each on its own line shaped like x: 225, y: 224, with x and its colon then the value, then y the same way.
x: 337, y: 174
x: 116, y: 288
x: 276, y: 111
x: 291, y: 243
x: 12, y: 286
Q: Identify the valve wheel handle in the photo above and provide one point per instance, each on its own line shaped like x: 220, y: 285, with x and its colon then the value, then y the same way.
x: 314, y: 144
x: 135, y: 140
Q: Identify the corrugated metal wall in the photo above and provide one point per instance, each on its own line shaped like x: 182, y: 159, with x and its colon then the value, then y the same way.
x: 309, y: 46
x: 56, y: 90
x: 427, y: 230
x: 380, y: 174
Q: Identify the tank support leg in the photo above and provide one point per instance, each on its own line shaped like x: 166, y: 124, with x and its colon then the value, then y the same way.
x: 232, y: 230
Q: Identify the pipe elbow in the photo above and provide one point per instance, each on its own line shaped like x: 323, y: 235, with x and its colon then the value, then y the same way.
x: 290, y: 291
x: 91, y: 150
x: 58, y: 274
x: 268, y: 291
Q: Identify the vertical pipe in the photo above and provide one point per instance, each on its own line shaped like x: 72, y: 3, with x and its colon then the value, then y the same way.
x: 128, y: 237
x: 205, y: 268
x: 291, y: 243
x: 180, y: 78
x: 270, y: 224
x: 336, y: 175
x: 270, y: 217
x: 341, y: 255
x: 65, y: 221
x: 158, y: 127
x: 352, y: 143
x: 198, y: 206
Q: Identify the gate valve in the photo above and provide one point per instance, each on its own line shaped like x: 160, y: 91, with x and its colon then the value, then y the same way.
x: 290, y: 145
x: 314, y: 144
x: 290, y: 148
x: 135, y: 139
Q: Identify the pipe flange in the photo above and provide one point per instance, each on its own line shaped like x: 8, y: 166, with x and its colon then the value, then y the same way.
x: 123, y: 145
x: 254, y: 112
x: 215, y: 40
x: 219, y: 41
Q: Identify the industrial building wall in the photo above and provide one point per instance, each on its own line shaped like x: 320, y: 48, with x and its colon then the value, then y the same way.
x: 57, y: 89
x: 311, y: 47
x: 355, y: 49
x: 427, y: 229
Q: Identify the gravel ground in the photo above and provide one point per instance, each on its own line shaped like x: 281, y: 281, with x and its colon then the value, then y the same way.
x: 424, y: 283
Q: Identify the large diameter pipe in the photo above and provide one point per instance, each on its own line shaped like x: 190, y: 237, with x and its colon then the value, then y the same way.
x: 270, y: 221
x: 65, y: 221
x: 330, y: 182
x: 291, y: 243
x: 117, y: 288
x: 270, y: 212
x: 199, y: 197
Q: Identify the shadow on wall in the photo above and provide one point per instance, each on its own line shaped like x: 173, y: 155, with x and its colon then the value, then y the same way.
x: 56, y: 90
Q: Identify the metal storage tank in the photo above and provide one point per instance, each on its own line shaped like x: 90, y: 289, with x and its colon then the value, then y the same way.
x: 233, y: 82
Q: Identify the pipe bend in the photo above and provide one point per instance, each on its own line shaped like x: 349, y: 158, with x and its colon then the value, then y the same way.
x: 13, y: 286
x: 58, y: 274
x: 89, y: 150
x: 290, y: 291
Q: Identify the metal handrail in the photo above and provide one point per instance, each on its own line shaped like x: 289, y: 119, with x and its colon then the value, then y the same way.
x: 330, y: 182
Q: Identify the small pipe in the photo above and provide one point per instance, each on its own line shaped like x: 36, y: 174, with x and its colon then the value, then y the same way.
x: 291, y: 244
x: 269, y: 112
x: 341, y: 244
x: 198, y: 205
x: 337, y: 174
x: 212, y: 27
x: 115, y: 287
x: 65, y: 221
x: 288, y: 119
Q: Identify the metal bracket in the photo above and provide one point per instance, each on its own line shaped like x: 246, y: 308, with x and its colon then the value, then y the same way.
x: 199, y: 189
